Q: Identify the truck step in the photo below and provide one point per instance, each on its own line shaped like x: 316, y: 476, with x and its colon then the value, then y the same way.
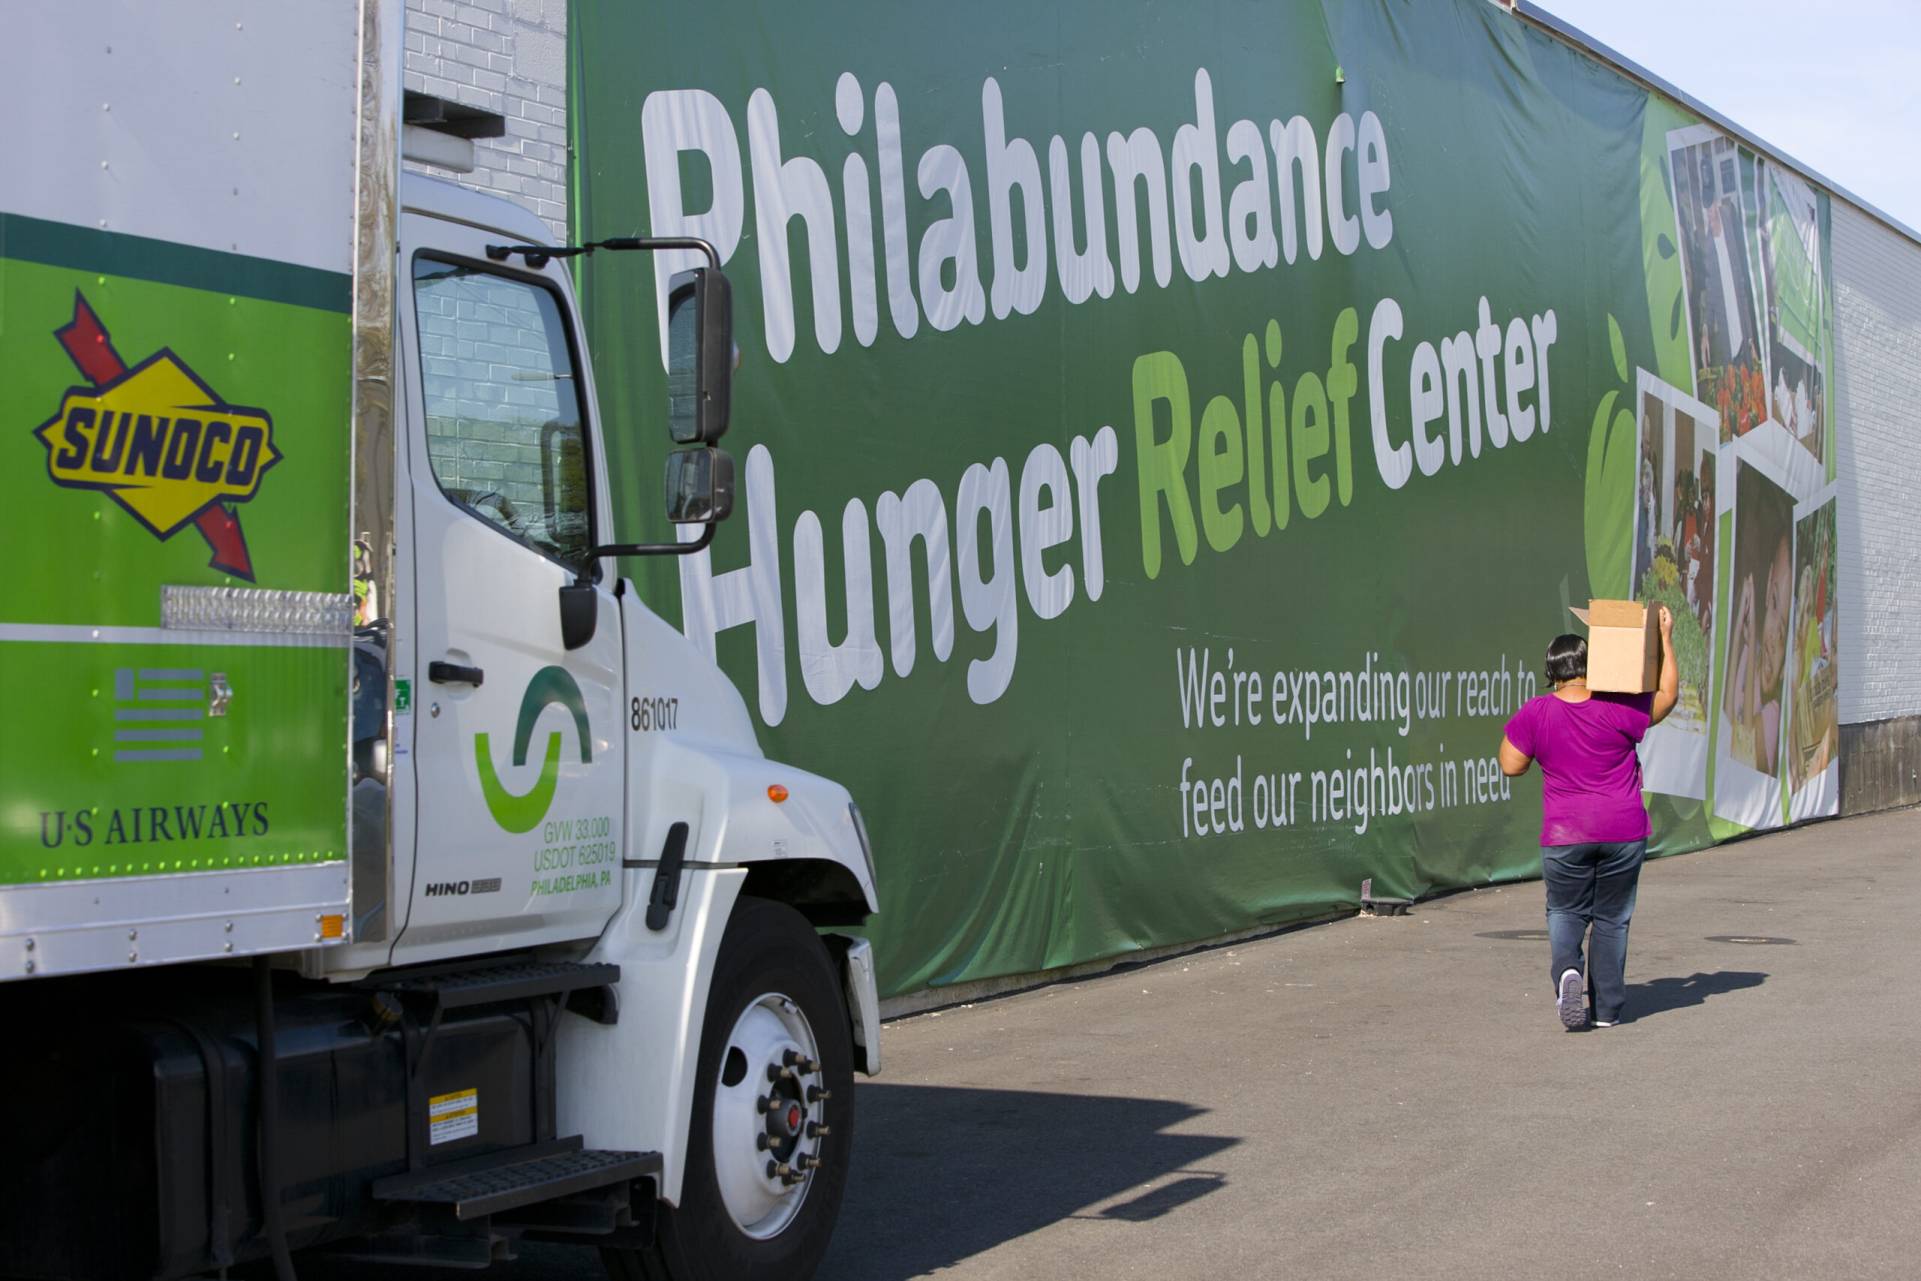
x: 520, y: 1177
x: 514, y: 981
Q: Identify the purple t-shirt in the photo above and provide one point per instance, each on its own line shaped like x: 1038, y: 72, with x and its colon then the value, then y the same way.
x: 1591, y: 777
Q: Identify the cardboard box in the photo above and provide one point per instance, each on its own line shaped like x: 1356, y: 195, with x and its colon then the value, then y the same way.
x: 1623, y: 646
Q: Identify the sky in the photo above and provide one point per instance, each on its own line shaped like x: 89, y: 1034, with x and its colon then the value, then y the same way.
x: 1836, y: 84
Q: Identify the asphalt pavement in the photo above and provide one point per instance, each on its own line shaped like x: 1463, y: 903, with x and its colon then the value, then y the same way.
x: 1394, y: 1097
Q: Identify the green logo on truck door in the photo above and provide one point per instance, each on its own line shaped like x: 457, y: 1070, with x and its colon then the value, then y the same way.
x: 522, y: 813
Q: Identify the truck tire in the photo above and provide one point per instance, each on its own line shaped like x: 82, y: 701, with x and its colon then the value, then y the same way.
x: 773, y: 1114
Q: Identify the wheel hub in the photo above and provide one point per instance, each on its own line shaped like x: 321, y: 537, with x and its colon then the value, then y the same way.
x: 768, y: 1111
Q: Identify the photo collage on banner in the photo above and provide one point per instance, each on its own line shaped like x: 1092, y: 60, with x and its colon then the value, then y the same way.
x: 1753, y: 708
x: 1814, y: 726
x: 1741, y: 471
x: 1674, y: 565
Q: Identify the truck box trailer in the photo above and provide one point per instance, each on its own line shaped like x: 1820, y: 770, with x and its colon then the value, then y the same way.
x: 378, y: 873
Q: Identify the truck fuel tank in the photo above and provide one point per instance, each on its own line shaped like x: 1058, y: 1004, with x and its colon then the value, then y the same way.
x: 134, y: 1136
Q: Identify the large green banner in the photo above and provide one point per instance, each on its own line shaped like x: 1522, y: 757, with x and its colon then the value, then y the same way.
x: 1170, y: 436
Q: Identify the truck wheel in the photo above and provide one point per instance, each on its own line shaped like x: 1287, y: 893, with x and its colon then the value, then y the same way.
x: 773, y: 1115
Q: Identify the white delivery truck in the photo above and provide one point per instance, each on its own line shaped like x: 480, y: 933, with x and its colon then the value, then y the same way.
x: 378, y: 874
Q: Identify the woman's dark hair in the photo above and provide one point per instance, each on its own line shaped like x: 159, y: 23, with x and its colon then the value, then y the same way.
x: 1566, y: 657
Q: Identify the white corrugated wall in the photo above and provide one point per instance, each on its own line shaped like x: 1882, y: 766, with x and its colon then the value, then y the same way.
x: 1877, y: 288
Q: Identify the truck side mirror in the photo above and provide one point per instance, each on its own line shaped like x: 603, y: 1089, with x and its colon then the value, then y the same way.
x: 579, y: 612
x: 700, y: 365
x: 700, y: 486
x: 700, y: 355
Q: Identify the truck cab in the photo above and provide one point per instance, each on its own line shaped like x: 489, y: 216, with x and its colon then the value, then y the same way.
x: 565, y: 956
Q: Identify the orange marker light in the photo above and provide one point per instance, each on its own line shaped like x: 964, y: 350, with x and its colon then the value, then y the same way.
x: 776, y: 793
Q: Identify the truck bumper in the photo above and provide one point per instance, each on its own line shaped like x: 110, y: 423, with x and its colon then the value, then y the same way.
x: 863, y: 1005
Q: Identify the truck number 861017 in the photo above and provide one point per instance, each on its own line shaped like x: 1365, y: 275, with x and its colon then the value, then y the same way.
x: 655, y: 713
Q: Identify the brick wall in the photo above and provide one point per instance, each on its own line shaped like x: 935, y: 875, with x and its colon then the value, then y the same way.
x: 508, y: 56
x: 1877, y: 275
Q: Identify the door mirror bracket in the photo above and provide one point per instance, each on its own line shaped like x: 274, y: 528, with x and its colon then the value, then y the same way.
x: 659, y: 549
x: 700, y: 491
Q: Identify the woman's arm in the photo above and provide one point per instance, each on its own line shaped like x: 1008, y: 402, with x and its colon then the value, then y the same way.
x: 1514, y: 761
x: 1669, y: 692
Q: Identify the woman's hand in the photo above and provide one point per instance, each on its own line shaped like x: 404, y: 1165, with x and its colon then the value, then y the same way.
x: 1669, y: 691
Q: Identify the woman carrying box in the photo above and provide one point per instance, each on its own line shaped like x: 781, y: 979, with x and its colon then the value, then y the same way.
x: 1594, y: 828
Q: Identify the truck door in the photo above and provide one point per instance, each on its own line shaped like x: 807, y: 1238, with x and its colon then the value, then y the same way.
x: 517, y: 741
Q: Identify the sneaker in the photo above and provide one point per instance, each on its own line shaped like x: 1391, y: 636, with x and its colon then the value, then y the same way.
x: 1604, y: 1023
x: 1572, y: 1002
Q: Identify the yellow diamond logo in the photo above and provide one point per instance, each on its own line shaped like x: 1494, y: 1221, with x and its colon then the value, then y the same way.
x: 161, y: 442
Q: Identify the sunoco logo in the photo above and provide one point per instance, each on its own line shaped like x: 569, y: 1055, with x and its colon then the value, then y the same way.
x: 159, y: 441
x: 523, y: 813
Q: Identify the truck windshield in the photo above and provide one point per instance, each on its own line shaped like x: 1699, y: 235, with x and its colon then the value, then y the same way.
x: 503, y: 410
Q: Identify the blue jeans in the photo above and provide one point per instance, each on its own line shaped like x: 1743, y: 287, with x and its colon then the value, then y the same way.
x: 1593, y: 884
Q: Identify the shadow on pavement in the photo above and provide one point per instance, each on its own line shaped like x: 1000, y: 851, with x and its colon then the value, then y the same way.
x: 1662, y: 995
x: 940, y: 1175
x: 1155, y: 1202
x: 943, y: 1174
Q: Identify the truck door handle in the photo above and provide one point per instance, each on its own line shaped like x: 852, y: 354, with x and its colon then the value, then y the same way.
x: 454, y: 674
